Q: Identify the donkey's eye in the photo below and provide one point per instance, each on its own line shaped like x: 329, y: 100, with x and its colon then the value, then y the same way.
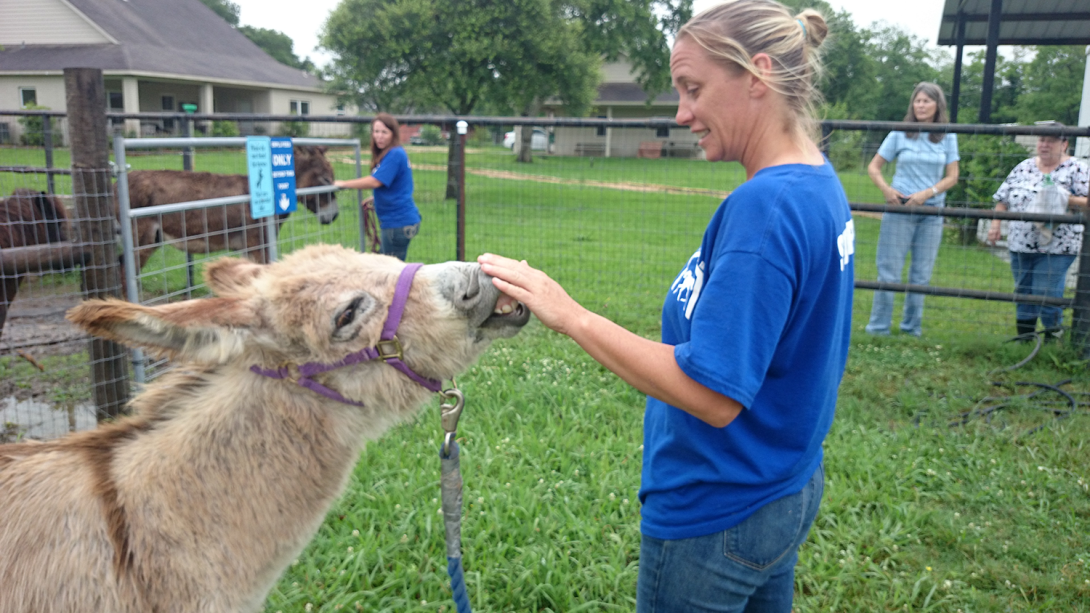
x: 348, y: 315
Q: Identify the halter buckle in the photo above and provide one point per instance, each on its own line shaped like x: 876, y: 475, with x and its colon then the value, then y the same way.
x: 292, y: 372
x: 389, y: 349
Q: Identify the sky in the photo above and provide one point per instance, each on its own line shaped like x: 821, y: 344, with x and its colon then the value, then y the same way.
x: 302, y: 21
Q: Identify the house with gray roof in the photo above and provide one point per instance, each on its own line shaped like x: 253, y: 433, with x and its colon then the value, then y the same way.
x: 621, y: 97
x: 156, y: 55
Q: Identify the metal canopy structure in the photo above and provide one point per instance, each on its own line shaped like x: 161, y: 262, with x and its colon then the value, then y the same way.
x: 1008, y: 22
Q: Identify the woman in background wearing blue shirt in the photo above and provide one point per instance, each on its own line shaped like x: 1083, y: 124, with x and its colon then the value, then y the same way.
x: 755, y: 328
x: 927, y: 166
x: 392, y: 180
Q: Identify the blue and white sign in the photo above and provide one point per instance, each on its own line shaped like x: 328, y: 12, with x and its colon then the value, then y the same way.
x: 283, y: 174
x: 259, y: 162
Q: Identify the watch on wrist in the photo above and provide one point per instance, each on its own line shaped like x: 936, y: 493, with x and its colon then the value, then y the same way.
x: 934, y: 192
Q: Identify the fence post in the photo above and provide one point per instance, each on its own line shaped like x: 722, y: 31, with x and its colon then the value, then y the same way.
x: 187, y: 165
x: 86, y: 102
x: 1080, y: 311
x: 460, y: 156
x: 47, y: 142
x: 826, y: 132
x: 187, y: 152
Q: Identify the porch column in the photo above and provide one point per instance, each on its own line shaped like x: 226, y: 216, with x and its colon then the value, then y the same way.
x: 207, y: 103
x: 130, y: 100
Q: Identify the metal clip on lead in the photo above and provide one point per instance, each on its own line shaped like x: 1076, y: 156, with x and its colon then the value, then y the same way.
x: 450, y: 414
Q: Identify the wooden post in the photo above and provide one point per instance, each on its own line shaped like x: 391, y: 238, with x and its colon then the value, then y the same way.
x: 86, y: 101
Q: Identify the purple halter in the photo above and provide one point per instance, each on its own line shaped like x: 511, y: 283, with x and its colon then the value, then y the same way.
x: 388, y: 348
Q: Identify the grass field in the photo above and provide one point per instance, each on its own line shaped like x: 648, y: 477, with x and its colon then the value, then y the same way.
x: 921, y: 512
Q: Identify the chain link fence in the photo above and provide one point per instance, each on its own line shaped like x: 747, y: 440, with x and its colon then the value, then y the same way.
x: 610, y: 208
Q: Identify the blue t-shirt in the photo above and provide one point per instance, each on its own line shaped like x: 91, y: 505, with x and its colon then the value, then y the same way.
x: 920, y: 163
x: 762, y: 314
x: 394, y: 200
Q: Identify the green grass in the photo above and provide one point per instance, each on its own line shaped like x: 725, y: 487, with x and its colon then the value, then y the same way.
x: 918, y: 515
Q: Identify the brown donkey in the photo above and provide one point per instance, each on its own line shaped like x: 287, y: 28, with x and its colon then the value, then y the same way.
x: 218, y: 228
x: 28, y: 217
x: 201, y: 499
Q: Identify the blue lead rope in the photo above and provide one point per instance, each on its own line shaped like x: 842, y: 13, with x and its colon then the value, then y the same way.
x: 451, y: 486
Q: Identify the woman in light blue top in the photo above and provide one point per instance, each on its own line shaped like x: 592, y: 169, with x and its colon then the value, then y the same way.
x: 927, y: 166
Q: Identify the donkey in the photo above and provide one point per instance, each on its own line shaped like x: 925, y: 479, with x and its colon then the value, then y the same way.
x: 200, y: 500
x: 27, y: 218
x: 218, y: 228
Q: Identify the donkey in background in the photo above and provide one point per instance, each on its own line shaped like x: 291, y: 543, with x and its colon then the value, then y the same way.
x: 28, y: 217
x: 201, y: 499
x: 218, y: 228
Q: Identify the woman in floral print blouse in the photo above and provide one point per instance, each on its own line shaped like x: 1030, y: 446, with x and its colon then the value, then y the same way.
x: 1039, y: 263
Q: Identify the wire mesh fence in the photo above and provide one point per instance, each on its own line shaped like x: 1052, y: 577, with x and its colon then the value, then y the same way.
x: 611, y: 208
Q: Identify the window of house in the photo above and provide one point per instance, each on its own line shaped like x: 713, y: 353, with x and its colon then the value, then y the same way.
x: 662, y: 132
x: 601, y: 129
x: 115, y: 101
x: 28, y: 96
x: 340, y: 109
x: 168, y: 103
x: 300, y: 107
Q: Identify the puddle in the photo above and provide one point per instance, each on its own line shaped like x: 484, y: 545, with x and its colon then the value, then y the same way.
x: 40, y: 420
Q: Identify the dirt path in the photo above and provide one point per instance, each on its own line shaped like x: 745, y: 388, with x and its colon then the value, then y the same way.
x: 627, y: 186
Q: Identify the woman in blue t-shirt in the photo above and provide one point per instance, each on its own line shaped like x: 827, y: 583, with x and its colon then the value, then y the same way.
x: 755, y: 328
x: 927, y: 166
x: 392, y: 180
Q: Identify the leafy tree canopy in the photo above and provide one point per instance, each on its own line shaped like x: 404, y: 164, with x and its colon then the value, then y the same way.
x: 224, y: 8
x: 277, y: 44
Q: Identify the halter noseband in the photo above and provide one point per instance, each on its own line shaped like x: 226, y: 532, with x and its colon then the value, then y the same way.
x: 388, y: 348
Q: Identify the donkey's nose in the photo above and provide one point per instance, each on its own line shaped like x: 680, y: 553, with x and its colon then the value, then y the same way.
x: 469, y: 294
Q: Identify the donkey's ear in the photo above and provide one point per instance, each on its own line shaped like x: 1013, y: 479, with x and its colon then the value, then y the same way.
x: 206, y: 330
x: 232, y: 276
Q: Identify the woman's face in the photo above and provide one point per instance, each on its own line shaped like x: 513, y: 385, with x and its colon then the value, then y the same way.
x: 924, y: 107
x: 381, y: 135
x: 713, y: 100
x: 1050, y: 149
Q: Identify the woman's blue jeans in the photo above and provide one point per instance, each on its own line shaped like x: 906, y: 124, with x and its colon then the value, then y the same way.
x: 1040, y: 274
x: 900, y: 234
x: 748, y: 568
x: 395, y: 241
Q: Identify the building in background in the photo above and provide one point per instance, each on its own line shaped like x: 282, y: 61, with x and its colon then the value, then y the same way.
x: 156, y: 55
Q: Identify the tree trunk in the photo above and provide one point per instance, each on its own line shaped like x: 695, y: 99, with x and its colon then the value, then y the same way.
x: 526, y: 133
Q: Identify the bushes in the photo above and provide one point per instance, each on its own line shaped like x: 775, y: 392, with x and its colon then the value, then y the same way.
x: 986, y: 160
x: 294, y: 128
x: 224, y: 128
x: 431, y: 135
x: 33, y: 128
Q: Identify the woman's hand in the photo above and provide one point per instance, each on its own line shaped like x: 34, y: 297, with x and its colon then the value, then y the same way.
x: 919, y: 198
x: 994, y: 232
x: 339, y: 183
x: 893, y: 197
x: 543, y: 296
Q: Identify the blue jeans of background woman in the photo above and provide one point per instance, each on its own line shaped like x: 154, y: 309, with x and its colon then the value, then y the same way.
x: 901, y: 234
x: 748, y: 568
x: 395, y: 241
x: 1040, y: 274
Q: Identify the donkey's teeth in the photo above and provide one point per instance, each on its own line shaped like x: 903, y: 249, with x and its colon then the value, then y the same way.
x: 505, y: 305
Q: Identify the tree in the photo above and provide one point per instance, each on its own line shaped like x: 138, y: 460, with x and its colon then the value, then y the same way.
x: 224, y: 8
x: 453, y: 54
x: 1053, y: 85
x: 278, y: 45
x: 273, y: 42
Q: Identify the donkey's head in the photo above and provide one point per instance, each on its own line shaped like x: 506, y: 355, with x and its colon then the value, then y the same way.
x: 323, y: 305
x: 312, y: 169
